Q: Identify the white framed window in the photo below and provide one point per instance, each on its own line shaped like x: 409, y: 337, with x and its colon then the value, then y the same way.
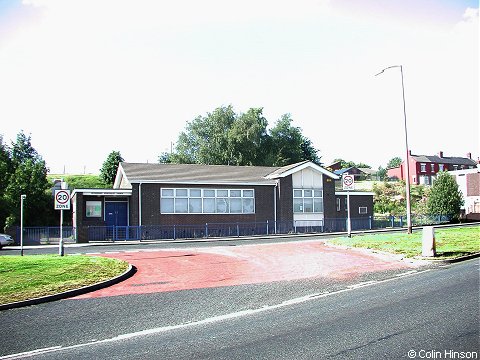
x: 432, y: 167
x: 207, y: 201
x: 423, y: 167
x: 441, y: 167
x: 362, y: 210
x: 307, y: 201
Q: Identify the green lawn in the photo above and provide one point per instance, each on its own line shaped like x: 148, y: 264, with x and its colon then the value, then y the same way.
x: 32, y: 276
x: 450, y: 242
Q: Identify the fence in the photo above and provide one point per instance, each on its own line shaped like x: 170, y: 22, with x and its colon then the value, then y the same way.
x: 43, y: 235
x: 49, y: 235
x: 209, y: 230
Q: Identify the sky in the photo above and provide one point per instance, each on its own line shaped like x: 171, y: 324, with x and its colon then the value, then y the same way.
x: 84, y: 78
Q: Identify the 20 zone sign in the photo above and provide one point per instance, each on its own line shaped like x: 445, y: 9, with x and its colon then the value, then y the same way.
x: 62, y: 199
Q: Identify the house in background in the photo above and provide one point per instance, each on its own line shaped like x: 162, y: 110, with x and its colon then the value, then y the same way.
x: 469, y: 184
x: 424, y: 168
x: 170, y: 195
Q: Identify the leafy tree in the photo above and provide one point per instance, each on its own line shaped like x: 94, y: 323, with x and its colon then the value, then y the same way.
x: 381, y: 173
x: 225, y: 138
x: 29, y: 178
x: 165, y: 158
x: 5, y: 171
x: 248, y: 138
x: 394, y: 162
x: 205, y: 139
x: 23, y: 171
x: 445, y: 197
x: 108, y: 172
x: 289, y: 145
x: 348, y: 164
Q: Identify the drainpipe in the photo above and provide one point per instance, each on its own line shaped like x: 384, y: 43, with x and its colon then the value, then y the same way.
x: 275, y: 205
x: 139, y: 204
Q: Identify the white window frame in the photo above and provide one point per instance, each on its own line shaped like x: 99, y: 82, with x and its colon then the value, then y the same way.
x: 441, y: 167
x: 220, y: 198
x: 423, y: 167
x: 306, y: 196
x: 363, y: 210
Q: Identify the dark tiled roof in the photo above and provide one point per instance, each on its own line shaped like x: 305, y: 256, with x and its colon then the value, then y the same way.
x: 197, y: 173
x: 444, y: 160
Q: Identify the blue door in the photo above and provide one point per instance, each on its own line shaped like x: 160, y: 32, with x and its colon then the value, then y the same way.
x: 116, y: 219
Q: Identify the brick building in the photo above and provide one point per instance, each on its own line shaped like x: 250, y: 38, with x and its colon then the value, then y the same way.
x: 190, y: 194
x: 424, y: 168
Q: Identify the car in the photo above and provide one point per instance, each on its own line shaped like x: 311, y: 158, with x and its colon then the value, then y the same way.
x: 6, y: 240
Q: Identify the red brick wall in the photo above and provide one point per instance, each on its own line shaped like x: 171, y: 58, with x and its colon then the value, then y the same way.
x: 473, y: 184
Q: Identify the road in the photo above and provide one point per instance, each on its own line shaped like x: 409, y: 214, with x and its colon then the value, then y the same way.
x: 375, y: 314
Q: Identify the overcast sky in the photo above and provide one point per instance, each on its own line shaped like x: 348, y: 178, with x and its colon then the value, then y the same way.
x: 86, y: 77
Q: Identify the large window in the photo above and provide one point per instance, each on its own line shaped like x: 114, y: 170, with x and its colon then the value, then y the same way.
x: 207, y: 201
x: 307, y: 201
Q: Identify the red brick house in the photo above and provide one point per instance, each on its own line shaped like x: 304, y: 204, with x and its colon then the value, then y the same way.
x: 424, y: 168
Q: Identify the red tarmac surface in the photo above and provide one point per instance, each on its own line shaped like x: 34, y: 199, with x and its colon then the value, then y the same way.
x: 172, y: 270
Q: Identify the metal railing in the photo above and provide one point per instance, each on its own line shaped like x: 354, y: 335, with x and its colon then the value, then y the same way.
x: 211, y: 230
x: 51, y: 235
x: 44, y: 235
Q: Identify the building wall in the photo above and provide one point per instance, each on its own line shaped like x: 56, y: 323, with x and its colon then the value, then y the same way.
x: 151, y: 215
x: 81, y: 220
x: 285, y: 199
x: 473, y: 184
x: 417, y: 175
x: 328, y: 197
x: 356, y: 201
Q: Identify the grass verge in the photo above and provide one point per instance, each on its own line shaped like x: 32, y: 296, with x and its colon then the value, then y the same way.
x: 450, y: 242
x: 32, y: 276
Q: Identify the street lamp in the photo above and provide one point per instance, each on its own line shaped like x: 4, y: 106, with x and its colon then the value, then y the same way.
x: 409, y: 211
x: 22, y: 197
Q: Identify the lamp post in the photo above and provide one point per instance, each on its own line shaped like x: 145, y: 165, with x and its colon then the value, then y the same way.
x: 22, y: 197
x: 407, y: 183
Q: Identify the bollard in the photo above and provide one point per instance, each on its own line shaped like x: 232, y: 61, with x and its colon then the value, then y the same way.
x: 428, y: 241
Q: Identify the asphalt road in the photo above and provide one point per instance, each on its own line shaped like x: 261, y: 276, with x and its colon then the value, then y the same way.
x: 429, y: 311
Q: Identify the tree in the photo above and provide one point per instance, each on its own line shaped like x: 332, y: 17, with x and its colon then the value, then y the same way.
x: 248, y: 138
x: 381, y: 173
x: 289, y: 145
x: 23, y: 171
x: 205, y: 139
x: 224, y: 138
x: 445, y: 197
x: 348, y: 164
x: 394, y: 162
x: 108, y: 172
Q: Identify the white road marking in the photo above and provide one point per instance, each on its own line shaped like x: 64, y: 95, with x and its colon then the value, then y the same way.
x: 210, y: 320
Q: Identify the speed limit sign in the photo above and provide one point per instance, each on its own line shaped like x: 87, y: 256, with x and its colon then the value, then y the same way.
x: 348, y: 182
x: 62, y: 199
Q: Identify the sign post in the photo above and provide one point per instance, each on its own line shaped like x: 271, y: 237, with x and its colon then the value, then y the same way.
x: 22, y: 198
x: 348, y: 182
x: 62, y: 202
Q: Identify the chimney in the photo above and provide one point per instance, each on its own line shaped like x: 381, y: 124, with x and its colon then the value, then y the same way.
x: 440, y: 154
x: 469, y: 155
